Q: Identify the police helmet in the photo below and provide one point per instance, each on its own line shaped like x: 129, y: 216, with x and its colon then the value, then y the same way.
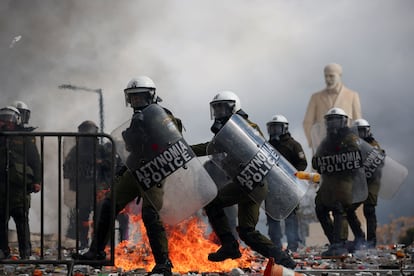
x: 24, y: 111
x: 277, y: 126
x: 88, y: 127
x: 335, y: 119
x: 364, y: 128
x: 142, y: 90
x: 10, y: 118
x: 224, y: 104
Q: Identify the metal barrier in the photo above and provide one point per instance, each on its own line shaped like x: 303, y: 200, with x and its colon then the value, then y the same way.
x: 50, y: 208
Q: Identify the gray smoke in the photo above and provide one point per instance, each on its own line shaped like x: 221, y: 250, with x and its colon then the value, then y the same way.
x: 270, y: 53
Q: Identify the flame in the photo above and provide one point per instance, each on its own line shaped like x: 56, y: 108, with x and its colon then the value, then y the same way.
x: 188, y: 246
x: 101, y: 194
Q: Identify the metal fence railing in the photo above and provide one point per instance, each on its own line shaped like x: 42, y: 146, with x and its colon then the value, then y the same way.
x: 63, y: 187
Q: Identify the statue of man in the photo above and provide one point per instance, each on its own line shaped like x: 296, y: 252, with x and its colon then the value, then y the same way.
x: 334, y: 95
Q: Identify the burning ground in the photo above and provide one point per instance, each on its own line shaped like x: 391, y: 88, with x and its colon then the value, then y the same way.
x: 191, y: 241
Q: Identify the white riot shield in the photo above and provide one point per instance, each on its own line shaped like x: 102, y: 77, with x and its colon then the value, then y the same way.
x: 155, y: 152
x: 248, y: 159
x: 392, y: 176
x: 318, y: 132
x: 377, y: 164
x: 339, y: 160
x: 217, y: 174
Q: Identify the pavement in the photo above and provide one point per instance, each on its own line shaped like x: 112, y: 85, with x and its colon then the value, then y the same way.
x: 382, y: 260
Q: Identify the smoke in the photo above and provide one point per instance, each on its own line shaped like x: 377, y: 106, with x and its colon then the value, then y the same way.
x: 270, y: 53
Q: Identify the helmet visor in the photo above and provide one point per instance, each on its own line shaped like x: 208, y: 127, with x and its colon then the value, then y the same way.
x: 25, y: 114
x: 222, y: 109
x: 364, y: 132
x: 275, y: 129
x: 140, y: 100
x: 335, y: 122
x: 8, y: 122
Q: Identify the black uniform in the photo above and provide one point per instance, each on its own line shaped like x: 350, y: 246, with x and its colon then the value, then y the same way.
x: 368, y: 208
x: 293, y: 152
x: 248, y: 215
x: 336, y: 191
x: 20, y: 168
x: 85, y: 167
x: 127, y: 189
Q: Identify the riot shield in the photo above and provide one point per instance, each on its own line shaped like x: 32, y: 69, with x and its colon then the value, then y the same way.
x: 377, y: 164
x: 318, y: 132
x: 392, y: 176
x: 245, y: 156
x: 217, y: 174
x: 340, y: 161
x: 155, y: 152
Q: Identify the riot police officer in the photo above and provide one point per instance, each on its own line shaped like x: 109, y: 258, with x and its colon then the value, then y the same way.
x: 140, y: 93
x: 22, y: 176
x: 369, y: 205
x: 339, y: 161
x: 84, y: 167
x: 281, y: 139
x: 25, y: 113
x: 222, y: 107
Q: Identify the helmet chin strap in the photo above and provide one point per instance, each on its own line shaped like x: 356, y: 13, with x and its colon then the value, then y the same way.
x: 140, y: 108
x: 334, y: 132
x: 275, y: 138
x: 218, y: 124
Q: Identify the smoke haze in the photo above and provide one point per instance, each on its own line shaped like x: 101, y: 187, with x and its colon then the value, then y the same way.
x: 271, y: 53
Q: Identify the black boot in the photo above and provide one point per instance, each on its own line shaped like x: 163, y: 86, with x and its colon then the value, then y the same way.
x: 90, y: 255
x: 282, y: 258
x: 100, y: 237
x: 336, y: 250
x: 226, y: 251
x: 163, y: 268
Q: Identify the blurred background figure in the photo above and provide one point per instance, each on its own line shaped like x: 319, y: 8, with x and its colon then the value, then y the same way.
x: 24, y: 114
x: 343, y: 182
x: 85, y: 167
x: 369, y: 205
x: 281, y: 139
x: 20, y: 175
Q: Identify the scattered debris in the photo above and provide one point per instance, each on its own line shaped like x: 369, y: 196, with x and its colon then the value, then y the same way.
x: 383, y: 260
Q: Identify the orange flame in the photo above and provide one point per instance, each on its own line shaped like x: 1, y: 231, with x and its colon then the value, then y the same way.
x: 188, y: 248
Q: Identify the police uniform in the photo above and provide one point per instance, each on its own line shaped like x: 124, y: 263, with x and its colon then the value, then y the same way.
x: 19, y: 192
x: 289, y: 148
x: 126, y: 189
x: 335, y: 193
x: 368, y: 208
x: 248, y: 216
x: 82, y: 168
